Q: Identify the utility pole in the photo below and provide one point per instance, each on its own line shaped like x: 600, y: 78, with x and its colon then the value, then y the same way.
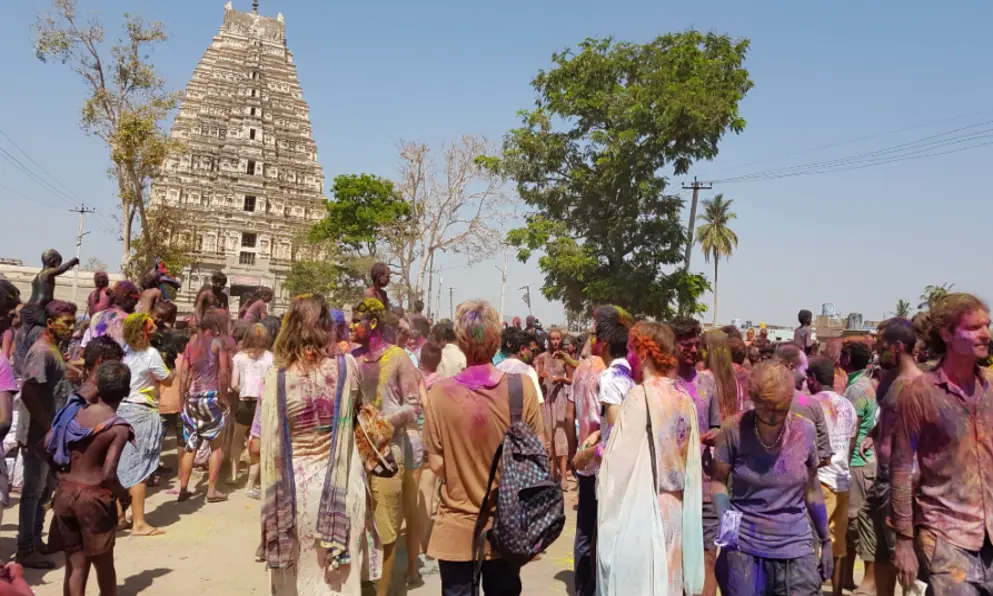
x: 451, y: 303
x: 430, y: 284
x: 503, y: 285
x: 696, y: 187
x: 81, y: 210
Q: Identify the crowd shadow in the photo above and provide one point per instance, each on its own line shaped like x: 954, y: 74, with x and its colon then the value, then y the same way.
x: 141, y: 581
x: 567, y: 577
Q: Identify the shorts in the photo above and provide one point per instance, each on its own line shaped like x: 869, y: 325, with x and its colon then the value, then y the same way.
x: 246, y: 411
x: 386, y: 496
x: 879, y: 510
x: 836, y: 504
x: 949, y: 570
x: 861, y: 534
x: 711, y: 526
x: 85, y: 519
x: 741, y: 574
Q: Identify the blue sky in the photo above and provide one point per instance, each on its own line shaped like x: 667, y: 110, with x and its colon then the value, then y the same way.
x: 377, y: 73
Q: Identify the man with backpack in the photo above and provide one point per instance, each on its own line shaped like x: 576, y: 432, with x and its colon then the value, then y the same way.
x: 467, y: 420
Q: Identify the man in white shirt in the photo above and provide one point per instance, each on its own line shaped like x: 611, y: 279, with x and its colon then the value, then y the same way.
x: 516, y: 346
x: 452, y: 359
x: 610, y: 339
x: 836, y: 477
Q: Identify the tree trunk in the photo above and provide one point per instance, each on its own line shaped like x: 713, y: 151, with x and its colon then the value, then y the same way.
x: 716, y: 259
x: 125, y: 239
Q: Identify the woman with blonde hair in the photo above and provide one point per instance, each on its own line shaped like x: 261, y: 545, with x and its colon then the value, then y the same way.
x: 314, y: 509
x: 728, y: 397
x: 765, y: 538
x: 140, y: 408
x: 248, y: 370
x: 650, y: 531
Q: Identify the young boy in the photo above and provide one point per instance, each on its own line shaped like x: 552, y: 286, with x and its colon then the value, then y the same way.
x: 84, y: 505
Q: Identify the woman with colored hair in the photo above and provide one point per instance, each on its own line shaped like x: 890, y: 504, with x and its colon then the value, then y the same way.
x: 314, y: 537
x: 140, y: 408
x: 249, y: 368
x: 650, y: 531
x: 765, y: 538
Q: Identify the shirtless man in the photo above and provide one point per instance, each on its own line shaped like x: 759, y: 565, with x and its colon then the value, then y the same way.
x: 85, y: 515
x: 213, y: 296
x: 151, y: 289
x: 43, y: 286
x: 99, y: 299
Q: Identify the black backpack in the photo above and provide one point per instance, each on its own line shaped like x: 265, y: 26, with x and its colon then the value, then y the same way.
x: 530, y: 512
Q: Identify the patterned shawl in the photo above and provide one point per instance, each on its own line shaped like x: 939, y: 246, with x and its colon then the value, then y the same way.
x: 279, y: 535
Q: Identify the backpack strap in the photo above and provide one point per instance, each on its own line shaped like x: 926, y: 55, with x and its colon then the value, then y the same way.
x: 651, y: 440
x: 516, y: 390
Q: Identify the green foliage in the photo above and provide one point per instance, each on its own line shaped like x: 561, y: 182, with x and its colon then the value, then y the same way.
x: 589, y: 158
x: 126, y: 101
x: 170, y: 238
x: 339, y: 280
x: 363, y: 205
x: 933, y: 294
x: 715, y: 238
x: 902, y: 309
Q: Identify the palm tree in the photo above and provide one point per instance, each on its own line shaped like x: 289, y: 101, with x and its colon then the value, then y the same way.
x: 902, y: 309
x: 715, y: 238
x: 933, y: 294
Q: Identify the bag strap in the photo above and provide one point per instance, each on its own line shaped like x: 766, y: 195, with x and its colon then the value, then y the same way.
x: 286, y: 451
x: 651, y: 440
x: 516, y: 390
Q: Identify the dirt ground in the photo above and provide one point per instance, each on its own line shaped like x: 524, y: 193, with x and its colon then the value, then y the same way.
x: 211, y: 546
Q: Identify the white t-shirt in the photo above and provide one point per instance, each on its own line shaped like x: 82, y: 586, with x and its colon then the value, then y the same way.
x: 147, y: 368
x: 249, y: 373
x: 452, y: 361
x: 841, y: 420
x: 515, y: 366
x: 615, y: 382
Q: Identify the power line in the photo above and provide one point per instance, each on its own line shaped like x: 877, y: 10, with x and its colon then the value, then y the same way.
x: 895, y: 153
x: 40, y: 167
x: 860, y: 167
x: 27, y: 198
x: 6, y: 156
x: 852, y: 141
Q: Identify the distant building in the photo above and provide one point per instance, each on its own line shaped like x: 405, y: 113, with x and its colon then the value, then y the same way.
x: 249, y: 176
x: 22, y: 277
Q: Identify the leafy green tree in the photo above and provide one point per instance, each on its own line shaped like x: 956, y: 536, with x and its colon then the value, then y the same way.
x: 126, y: 103
x: 715, y: 238
x: 321, y: 268
x: 902, y: 309
x: 590, y: 160
x: 362, y: 208
x: 933, y: 294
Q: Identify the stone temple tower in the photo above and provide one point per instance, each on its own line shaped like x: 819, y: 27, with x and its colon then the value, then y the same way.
x: 249, y: 181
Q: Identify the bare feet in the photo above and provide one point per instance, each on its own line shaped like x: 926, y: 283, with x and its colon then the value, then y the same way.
x: 146, y: 530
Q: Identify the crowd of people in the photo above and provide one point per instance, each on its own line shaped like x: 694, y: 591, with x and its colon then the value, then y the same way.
x: 701, y: 459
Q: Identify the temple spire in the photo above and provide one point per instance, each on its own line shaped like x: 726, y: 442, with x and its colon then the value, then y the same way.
x: 255, y: 6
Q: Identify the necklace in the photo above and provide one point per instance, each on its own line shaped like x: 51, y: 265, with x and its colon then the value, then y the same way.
x: 758, y: 436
